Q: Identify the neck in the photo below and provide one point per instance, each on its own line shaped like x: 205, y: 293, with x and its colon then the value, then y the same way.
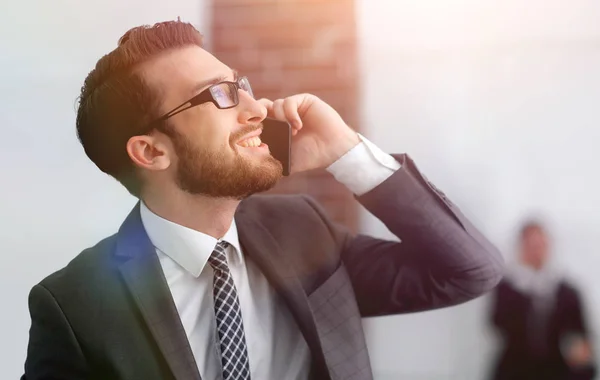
x: 536, y: 267
x: 209, y: 215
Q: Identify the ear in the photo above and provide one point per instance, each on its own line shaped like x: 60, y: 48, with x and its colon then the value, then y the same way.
x: 148, y: 152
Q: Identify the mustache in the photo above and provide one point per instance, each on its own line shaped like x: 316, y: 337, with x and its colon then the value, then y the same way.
x: 243, y: 131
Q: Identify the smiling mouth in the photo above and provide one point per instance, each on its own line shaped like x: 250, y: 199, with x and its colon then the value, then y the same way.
x: 250, y: 142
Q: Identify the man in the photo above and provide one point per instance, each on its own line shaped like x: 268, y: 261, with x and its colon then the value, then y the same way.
x: 205, y: 279
x: 539, y: 318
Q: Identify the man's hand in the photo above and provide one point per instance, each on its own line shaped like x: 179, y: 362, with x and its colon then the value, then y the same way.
x: 319, y: 134
x: 579, y: 353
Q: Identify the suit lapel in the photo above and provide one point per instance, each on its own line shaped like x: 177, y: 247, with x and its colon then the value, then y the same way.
x: 262, y: 248
x: 145, y: 280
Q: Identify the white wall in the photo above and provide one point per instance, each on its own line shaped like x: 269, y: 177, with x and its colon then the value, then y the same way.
x: 497, y: 102
x: 53, y: 201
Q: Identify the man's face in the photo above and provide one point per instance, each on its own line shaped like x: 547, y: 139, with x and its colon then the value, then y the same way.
x: 534, y: 248
x: 206, y: 149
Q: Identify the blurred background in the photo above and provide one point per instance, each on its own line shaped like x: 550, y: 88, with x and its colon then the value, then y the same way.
x: 495, y: 101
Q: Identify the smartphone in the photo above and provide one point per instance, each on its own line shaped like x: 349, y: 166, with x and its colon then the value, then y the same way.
x: 278, y: 136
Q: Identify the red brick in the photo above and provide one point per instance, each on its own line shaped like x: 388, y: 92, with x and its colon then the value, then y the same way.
x: 292, y: 46
x: 282, y: 13
x: 290, y: 36
x: 299, y: 80
x: 222, y: 3
x: 338, y: 59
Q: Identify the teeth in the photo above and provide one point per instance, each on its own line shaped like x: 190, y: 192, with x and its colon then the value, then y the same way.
x: 252, y: 141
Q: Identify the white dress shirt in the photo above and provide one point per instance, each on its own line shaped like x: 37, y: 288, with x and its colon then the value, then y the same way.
x: 276, y: 347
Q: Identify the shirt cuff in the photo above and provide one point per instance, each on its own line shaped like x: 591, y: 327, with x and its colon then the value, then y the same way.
x: 363, y: 167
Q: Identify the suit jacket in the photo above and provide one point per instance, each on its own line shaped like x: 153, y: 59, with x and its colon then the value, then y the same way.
x: 510, y: 316
x: 109, y: 313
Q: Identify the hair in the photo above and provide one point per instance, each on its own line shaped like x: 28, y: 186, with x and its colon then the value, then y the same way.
x: 115, y: 101
x: 529, y: 227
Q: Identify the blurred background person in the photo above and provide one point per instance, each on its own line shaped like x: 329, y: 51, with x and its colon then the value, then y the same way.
x: 540, y: 318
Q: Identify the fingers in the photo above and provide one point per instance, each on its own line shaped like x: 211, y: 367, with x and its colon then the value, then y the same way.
x: 274, y: 108
x: 268, y: 104
x: 290, y: 110
x: 278, y: 112
x: 285, y: 110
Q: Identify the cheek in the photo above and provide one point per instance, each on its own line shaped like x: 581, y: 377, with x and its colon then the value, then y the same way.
x: 206, y: 126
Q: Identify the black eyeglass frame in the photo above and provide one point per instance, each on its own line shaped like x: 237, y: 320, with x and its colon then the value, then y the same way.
x: 203, y: 97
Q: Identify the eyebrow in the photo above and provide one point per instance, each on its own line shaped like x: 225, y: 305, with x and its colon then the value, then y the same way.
x: 209, y: 82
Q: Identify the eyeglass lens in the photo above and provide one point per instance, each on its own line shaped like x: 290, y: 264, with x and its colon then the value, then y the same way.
x: 226, y: 95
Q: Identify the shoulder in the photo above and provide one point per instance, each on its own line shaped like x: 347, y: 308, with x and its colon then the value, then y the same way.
x: 275, y: 202
x: 91, y: 266
x: 569, y: 289
x: 284, y: 207
x: 294, y: 217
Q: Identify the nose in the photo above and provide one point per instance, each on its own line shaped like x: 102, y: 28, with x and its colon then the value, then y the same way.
x: 251, y: 111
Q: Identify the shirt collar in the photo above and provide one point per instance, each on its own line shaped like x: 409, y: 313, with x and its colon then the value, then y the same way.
x: 535, y: 282
x: 187, y: 247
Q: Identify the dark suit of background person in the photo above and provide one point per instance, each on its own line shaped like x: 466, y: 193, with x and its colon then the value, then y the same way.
x: 116, y: 311
x: 540, y: 319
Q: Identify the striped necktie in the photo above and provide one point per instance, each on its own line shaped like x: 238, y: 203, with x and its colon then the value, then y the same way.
x: 230, y: 327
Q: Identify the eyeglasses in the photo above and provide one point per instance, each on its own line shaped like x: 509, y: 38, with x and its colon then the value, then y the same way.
x: 223, y: 95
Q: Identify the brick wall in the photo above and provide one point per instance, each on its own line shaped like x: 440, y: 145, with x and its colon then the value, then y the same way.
x: 293, y: 46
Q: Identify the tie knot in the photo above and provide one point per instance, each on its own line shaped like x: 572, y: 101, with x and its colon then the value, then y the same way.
x: 218, y: 259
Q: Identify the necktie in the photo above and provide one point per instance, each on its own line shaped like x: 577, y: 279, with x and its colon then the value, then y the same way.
x: 234, y: 354
x: 539, y: 317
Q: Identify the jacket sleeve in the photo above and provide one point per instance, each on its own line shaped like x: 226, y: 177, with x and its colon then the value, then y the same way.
x: 576, y: 323
x: 53, y: 351
x: 441, y: 259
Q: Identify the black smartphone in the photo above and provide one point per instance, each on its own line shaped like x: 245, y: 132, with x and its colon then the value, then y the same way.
x: 278, y: 136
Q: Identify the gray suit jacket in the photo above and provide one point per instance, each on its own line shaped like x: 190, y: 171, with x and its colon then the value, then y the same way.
x: 109, y: 313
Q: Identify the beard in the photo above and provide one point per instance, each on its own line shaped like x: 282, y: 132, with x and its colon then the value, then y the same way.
x: 218, y: 173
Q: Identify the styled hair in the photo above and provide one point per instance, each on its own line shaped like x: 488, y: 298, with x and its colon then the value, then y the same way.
x: 115, y: 101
